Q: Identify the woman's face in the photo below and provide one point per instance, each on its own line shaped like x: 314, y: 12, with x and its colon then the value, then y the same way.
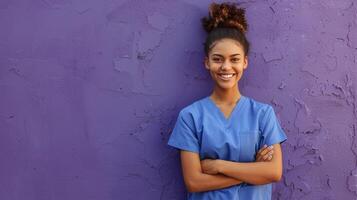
x: 226, y: 62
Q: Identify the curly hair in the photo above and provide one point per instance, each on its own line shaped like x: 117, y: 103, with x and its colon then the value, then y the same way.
x: 225, y: 20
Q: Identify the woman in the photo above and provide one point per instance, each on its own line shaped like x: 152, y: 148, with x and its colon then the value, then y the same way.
x: 230, y: 143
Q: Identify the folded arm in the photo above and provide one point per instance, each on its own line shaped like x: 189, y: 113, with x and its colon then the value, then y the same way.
x: 197, y: 181
x: 256, y: 173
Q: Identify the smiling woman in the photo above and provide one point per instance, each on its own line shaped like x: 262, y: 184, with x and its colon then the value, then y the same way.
x: 226, y: 62
x: 229, y: 143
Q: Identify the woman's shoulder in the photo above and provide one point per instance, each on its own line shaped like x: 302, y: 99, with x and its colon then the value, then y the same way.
x: 257, y: 105
x: 194, y: 108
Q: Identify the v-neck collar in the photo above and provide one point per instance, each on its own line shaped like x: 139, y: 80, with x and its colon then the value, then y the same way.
x: 221, y: 114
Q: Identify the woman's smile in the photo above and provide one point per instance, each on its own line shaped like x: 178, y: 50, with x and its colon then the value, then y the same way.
x: 226, y: 62
x: 226, y: 76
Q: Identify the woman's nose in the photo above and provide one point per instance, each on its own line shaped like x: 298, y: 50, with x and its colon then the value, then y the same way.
x: 225, y: 65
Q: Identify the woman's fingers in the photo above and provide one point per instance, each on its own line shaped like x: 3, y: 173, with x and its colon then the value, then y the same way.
x: 260, y: 150
x: 258, y: 156
x: 268, y: 156
x: 265, y: 153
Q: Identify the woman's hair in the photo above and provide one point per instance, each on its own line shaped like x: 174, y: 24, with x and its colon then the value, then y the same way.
x: 225, y: 20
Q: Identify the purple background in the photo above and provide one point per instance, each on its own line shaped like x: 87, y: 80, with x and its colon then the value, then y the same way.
x: 90, y: 91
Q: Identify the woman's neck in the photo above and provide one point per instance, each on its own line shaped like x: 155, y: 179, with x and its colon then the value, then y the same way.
x: 229, y: 96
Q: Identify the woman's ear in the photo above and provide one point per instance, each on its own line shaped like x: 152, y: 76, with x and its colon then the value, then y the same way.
x: 206, y: 61
x: 245, y: 62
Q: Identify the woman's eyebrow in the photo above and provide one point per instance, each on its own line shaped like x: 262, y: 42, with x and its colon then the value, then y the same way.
x: 217, y: 55
x: 237, y: 54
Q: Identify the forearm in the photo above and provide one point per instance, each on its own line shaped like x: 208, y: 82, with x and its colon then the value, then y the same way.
x: 256, y: 173
x: 206, y: 182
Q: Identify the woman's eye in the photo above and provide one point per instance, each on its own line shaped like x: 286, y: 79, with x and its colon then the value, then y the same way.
x: 235, y: 60
x: 216, y: 59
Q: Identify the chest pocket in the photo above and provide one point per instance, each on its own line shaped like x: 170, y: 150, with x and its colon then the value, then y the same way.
x: 249, y: 145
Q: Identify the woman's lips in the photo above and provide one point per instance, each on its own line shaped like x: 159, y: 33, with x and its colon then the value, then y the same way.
x: 226, y: 77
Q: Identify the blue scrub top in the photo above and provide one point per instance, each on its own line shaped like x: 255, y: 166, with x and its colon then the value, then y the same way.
x: 201, y: 127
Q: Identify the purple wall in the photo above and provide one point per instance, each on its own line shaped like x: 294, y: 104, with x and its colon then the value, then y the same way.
x: 90, y: 91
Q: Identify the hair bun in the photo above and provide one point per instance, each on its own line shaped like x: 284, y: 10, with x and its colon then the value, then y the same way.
x: 225, y: 15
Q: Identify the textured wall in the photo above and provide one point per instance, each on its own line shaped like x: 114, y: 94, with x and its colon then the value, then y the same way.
x: 90, y: 91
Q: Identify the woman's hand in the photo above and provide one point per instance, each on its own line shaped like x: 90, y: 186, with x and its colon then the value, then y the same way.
x: 264, y: 154
x: 209, y: 166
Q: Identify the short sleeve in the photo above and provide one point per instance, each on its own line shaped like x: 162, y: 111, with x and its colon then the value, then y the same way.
x: 183, y: 135
x: 271, y: 130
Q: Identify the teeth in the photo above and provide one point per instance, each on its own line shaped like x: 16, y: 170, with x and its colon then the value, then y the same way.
x: 226, y: 75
